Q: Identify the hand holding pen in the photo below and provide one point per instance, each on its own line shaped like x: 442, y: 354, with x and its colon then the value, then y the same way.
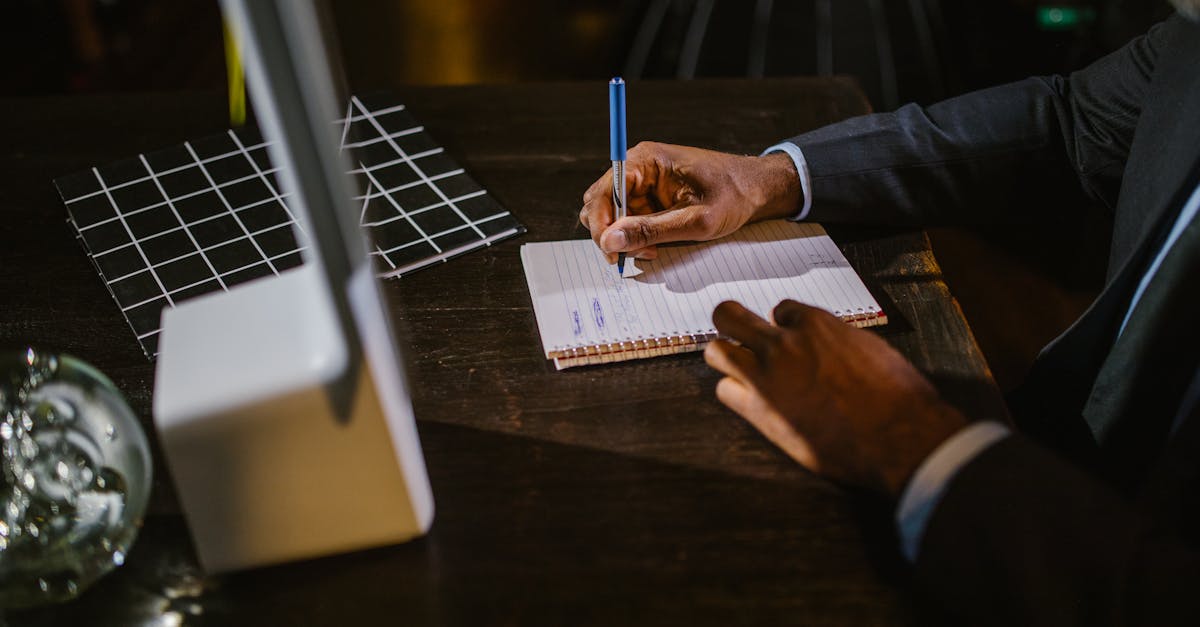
x: 679, y: 193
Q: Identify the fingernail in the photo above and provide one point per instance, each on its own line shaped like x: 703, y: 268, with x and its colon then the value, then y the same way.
x: 617, y: 240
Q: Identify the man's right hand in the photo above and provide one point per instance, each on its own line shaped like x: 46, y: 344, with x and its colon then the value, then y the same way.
x: 679, y: 193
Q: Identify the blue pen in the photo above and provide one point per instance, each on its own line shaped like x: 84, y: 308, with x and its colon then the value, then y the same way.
x: 616, y: 149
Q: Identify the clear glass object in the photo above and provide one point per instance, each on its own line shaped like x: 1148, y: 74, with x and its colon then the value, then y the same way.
x: 74, y: 477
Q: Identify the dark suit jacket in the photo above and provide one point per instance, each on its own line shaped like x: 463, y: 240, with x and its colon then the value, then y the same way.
x: 1091, y: 517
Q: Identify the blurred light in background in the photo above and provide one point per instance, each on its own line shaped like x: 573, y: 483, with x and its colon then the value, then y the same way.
x: 1064, y: 17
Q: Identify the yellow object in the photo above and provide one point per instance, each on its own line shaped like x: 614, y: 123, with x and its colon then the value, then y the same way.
x: 237, y: 82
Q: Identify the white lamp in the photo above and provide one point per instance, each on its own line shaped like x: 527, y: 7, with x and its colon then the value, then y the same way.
x: 282, y: 404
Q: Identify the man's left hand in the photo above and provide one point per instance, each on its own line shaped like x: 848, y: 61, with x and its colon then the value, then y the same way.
x: 837, y: 399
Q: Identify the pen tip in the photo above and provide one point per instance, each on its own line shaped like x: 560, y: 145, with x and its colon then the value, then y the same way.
x: 621, y: 265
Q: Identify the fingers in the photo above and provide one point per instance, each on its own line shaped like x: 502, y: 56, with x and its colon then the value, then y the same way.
x: 735, y: 321
x: 641, y: 177
x: 736, y: 396
x: 790, y: 313
x: 732, y: 360
x: 597, y: 203
x: 597, y: 212
x: 746, y: 402
x: 646, y: 167
x: 653, y: 181
x: 636, y: 232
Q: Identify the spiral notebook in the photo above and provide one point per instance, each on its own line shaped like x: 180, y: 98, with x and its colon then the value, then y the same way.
x: 587, y: 314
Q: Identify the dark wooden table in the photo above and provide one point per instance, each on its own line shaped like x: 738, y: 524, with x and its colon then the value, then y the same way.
x: 606, y: 495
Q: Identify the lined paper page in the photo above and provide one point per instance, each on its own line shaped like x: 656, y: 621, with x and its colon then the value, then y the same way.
x: 580, y: 301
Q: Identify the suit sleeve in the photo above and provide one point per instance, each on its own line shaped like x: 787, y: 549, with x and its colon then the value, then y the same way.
x: 1007, y: 154
x: 1023, y: 538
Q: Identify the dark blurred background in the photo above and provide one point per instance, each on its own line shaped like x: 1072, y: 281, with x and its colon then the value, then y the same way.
x: 901, y: 50
x: 1018, y: 288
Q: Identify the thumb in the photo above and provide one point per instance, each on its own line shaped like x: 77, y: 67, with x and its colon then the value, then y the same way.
x: 691, y: 223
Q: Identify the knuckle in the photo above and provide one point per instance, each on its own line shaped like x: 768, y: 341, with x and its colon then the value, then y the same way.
x: 706, y: 222
x: 724, y: 307
x: 792, y: 311
x: 646, y: 149
x: 595, y: 190
x: 721, y: 313
x: 645, y: 232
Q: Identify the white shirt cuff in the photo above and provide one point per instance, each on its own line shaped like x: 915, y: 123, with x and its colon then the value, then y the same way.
x: 797, y: 156
x: 927, y: 485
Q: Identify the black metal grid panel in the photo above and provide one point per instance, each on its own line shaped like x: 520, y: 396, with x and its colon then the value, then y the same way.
x: 204, y: 216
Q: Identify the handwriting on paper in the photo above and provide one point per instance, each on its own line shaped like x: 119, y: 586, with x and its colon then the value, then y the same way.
x: 581, y: 300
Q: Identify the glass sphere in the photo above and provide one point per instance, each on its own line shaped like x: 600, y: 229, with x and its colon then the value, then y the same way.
x: 74, y: 477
